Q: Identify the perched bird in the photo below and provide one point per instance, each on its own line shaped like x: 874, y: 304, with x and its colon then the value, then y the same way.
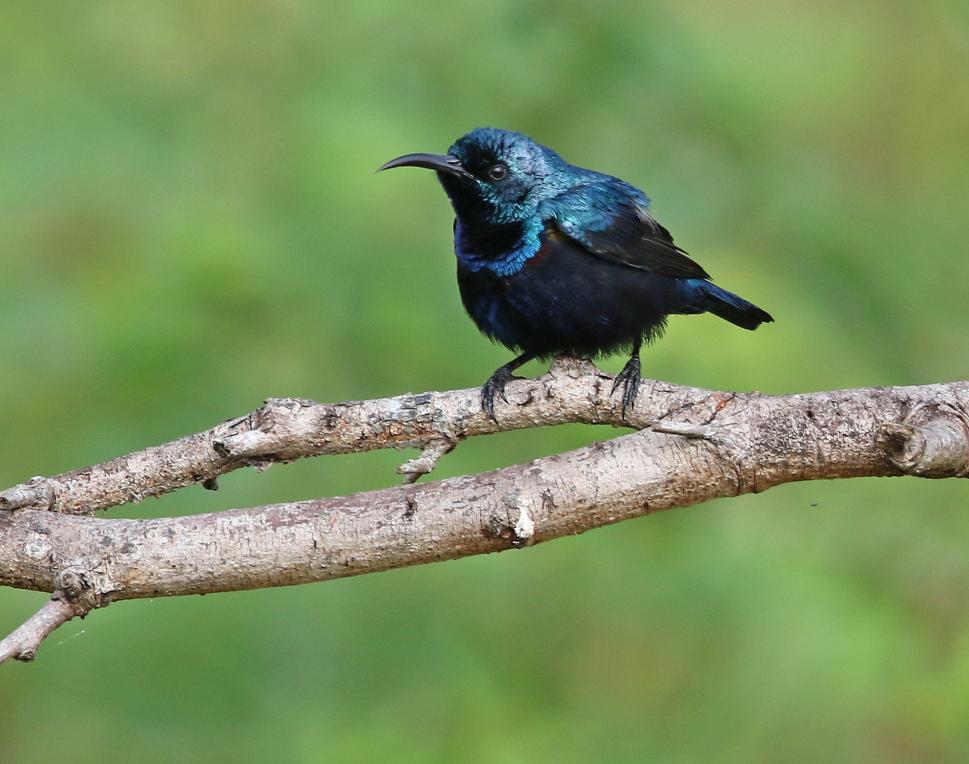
x: 554, y: 259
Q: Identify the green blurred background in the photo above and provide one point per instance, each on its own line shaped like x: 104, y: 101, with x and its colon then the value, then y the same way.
x: 190, y: 222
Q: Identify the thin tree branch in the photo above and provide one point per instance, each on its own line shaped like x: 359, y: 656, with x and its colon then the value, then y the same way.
x: 695, y: 445
x: 285, y: 429
x: 24, y: 641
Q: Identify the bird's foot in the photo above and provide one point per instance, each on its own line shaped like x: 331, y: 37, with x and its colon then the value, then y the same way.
x: 629, y: 379
x: 495, y: 386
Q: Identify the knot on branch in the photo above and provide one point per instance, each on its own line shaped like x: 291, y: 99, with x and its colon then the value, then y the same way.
x: 516, y: 525
x: 259, y: 439
x: 79, y: 587
x: 938, y: 448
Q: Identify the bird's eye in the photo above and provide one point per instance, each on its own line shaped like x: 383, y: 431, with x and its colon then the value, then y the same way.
x: 497, y: 172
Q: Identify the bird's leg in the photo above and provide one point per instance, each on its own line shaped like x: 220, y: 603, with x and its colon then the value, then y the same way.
x: 629, y: 379
x: 497, y: 381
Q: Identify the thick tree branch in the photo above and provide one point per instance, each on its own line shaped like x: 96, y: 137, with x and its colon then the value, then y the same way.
x: 695, y: 445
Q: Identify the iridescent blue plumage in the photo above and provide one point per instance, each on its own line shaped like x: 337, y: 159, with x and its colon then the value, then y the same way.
x: 557, y: 259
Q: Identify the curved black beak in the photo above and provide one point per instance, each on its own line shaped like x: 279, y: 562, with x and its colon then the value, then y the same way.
x: 438, y: 162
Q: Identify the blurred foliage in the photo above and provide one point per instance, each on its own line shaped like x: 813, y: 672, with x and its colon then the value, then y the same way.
x: 191, y: 222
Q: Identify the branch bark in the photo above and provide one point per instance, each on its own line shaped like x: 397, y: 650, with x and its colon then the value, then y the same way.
x: 691, y: 445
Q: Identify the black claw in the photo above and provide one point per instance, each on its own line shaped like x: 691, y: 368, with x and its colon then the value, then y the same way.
x: 495, y: 385
x: 629, y: 379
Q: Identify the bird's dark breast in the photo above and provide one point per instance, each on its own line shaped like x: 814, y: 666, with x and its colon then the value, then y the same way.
x: 567, y: 301
x: 489, y: 242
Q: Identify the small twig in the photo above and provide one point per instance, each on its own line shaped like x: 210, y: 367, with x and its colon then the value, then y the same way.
x: 24, y: 641
x: 415, y: 469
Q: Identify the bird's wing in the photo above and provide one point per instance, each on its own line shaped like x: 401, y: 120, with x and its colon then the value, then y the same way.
x: 611, y: 219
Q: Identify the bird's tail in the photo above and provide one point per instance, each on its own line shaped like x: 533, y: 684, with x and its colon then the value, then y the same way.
x: 728, y: 306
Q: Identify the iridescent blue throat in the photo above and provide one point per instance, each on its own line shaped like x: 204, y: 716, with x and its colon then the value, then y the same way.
x: 502, y: 248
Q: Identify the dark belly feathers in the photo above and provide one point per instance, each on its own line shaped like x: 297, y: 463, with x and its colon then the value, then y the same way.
x: 566, y: 301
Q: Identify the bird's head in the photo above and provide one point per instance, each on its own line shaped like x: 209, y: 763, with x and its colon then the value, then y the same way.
x: 494, y: 176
